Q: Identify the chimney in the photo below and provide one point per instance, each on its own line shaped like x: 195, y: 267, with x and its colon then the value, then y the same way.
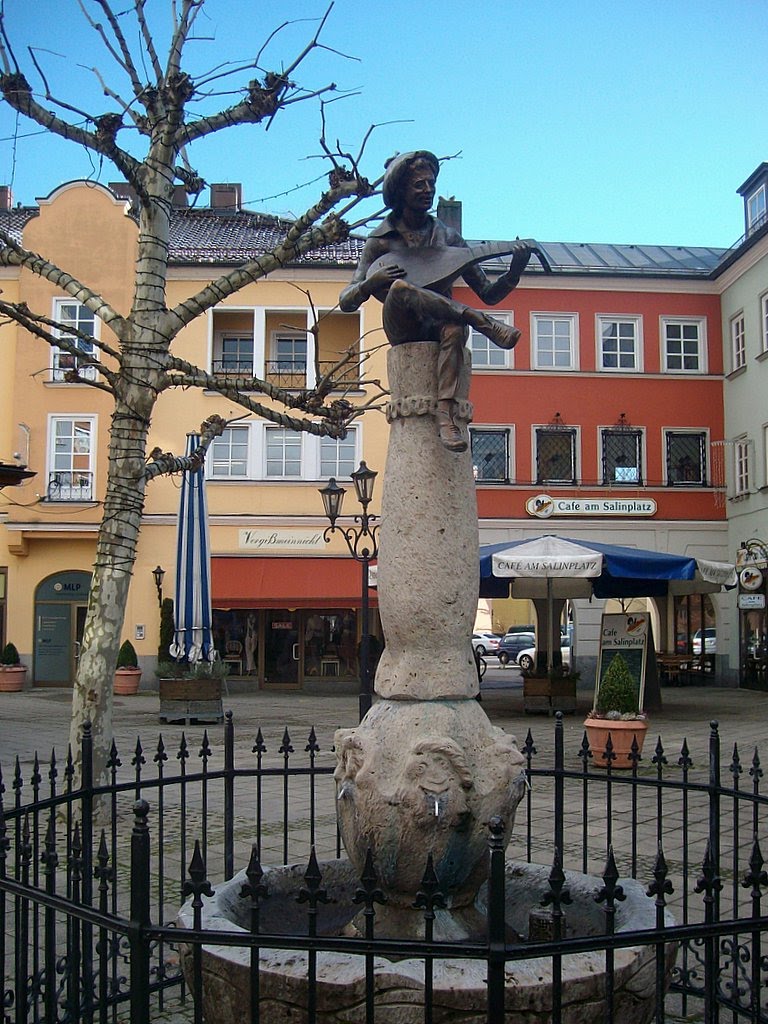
x: 227, y: 197
x: 180, y: 199
x: 449, y: 212
x: 6, y: 198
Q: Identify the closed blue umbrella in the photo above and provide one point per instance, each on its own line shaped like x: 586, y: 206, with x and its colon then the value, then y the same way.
x: 193, y: 636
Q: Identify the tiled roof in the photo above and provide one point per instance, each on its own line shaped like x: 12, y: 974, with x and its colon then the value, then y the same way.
x: 205, y: 236
x: 213, y: 236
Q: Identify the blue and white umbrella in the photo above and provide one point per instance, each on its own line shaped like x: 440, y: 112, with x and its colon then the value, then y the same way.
x: 193, y: 636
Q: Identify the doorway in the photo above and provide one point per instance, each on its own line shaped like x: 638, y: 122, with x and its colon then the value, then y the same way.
x: 60, y: 612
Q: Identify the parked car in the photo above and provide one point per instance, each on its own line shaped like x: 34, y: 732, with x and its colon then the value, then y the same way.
x: 526, y: 659
x: 710, y: 641
x: 485, y: 642
x: 511, y: 645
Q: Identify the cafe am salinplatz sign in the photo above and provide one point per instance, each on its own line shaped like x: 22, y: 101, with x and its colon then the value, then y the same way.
x: 545, y: 507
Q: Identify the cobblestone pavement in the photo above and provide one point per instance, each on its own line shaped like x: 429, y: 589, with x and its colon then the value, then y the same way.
x: 36, y: 721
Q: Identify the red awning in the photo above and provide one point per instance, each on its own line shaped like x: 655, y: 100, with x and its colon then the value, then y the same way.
x: 262, y: 582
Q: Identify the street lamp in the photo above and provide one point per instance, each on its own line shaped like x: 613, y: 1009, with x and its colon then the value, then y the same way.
x: 362, y: 545
x: 159, y: 573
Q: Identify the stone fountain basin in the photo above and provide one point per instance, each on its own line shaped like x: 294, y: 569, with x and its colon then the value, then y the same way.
x: 459, y: 991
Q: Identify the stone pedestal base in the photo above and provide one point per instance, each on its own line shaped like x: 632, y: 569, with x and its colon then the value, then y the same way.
x: 425, y: 777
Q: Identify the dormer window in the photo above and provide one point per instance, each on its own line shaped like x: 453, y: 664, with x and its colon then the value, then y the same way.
x: 756, y: 208
x: 755, y: 194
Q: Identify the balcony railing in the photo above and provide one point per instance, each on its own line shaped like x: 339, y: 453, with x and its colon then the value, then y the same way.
x: 283, y: 373
x: 65, y: 485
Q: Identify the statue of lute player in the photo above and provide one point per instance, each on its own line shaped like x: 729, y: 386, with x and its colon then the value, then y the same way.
x: 409, y: 263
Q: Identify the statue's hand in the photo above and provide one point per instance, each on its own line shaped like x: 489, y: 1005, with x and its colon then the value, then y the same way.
x: 381, y: 280
x: 520, y: 257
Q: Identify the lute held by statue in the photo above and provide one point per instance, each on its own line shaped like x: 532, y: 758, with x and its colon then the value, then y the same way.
x: 438, y: 267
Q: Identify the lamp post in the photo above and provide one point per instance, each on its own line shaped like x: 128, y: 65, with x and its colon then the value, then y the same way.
x: 158, y: 574
x: 362, y: 545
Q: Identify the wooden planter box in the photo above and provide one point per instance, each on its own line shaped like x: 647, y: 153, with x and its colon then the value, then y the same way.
x: 545, y: 695
x: 188, y: 700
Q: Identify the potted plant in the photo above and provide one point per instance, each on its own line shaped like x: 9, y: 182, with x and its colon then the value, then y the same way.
x: 12, y: 673
x: 616, y: 714
x: 127, y: 672
x: 166, y: 629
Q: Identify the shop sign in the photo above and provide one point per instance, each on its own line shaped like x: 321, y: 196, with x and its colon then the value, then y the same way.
x: 747, y: 601
x: 750, y: 578
x: 543, y: 506
x: 262, y: 539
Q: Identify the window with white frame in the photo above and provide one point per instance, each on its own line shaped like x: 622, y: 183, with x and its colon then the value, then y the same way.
x: 555, y: 455
x: 282, y: 453
x: 554, y: 341
x: 233, y: 354
x: 229, y: 454
x: 619, y: 341
x: 686, y: 457
x: 73, y: 316
x: 741, y: 468
x: 756, y: 208
x: 764, y: 322
x: 622, y: 449
x: 71, y: 453
x: 683, y: 342
x: 738, y: 342
x: 287, y: 365
x: 486, y: 355
x: 338, y: 456
x: 491, y: 448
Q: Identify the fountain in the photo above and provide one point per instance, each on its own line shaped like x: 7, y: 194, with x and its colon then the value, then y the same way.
x: 425, y: 771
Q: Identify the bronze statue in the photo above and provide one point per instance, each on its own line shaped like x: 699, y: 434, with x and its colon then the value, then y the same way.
x: 410, y: 262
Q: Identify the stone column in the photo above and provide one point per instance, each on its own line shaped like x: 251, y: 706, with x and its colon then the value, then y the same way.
x: 428, y: 574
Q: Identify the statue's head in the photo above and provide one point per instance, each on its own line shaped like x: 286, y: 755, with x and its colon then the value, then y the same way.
x: 399, y: 170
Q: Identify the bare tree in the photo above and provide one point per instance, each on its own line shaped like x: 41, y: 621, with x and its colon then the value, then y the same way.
x: 163, y: 115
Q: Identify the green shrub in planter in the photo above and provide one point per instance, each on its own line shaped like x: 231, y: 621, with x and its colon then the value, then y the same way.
x: 166, y: 629
x: 10, y: 656
x: 126, y: 657
x: 617, y: 694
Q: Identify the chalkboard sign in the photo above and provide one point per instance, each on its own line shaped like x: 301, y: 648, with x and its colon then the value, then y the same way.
x: 627, y: 635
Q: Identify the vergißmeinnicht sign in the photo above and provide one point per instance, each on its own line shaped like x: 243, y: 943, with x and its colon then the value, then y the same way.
x: 265, y: 539
x: 544, y: 507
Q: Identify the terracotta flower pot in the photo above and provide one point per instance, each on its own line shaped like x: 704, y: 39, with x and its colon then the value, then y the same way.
x: 621, y: 732
x: 127, y: 681
x: 12, y: 678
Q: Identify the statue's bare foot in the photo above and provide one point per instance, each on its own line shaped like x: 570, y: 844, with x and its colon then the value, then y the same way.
x: 501, y: 334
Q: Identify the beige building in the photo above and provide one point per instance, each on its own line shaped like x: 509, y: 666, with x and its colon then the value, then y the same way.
x: 285, y: 610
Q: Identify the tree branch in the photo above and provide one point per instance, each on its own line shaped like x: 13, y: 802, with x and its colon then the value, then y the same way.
x: 166, y: 463
x: 12, y: 254
x: 18, y: 94
x: 20, y: 313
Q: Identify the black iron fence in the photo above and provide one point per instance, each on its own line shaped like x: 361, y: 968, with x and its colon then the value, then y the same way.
x: 92, y: 877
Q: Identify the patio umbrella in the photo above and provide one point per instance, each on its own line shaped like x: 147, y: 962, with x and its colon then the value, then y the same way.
x: 193, y: 637
x: 557, y: 567
x: 584, y: 568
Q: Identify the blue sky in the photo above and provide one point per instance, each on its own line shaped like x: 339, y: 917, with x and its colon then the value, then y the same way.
x: 577, y: 120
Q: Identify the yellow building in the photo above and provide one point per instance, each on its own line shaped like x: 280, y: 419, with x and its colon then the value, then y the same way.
x: 286, y: 604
